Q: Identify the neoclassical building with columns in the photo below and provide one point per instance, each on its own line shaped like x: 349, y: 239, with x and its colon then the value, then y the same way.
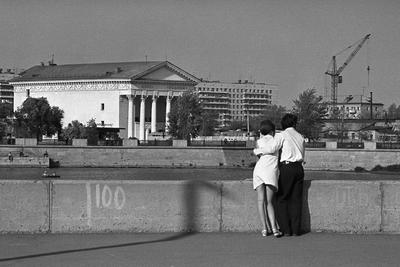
x: 131, y: 98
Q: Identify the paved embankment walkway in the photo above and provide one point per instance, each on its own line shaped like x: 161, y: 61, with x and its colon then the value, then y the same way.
x: 202, y: 249
x: 177, y: 174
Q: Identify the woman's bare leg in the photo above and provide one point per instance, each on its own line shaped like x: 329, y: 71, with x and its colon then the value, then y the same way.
x: 261, y: 207
x: 270, y: 207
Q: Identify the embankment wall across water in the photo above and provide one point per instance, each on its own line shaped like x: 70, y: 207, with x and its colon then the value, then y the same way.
x: 215, y: 157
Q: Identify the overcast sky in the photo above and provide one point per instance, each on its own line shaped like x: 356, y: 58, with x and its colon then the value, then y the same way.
x: 285, y: 42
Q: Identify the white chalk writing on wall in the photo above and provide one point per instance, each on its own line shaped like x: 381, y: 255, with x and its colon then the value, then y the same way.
x: 106, y: 197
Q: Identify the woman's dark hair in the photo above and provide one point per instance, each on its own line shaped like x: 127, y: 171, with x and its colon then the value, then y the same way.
x: 288, y: 120
x: 267, y: 127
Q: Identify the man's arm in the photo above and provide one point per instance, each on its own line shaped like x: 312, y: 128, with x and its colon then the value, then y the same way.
x: 272, y: 146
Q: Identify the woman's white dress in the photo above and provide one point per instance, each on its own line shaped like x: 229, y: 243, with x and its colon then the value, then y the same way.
x: 266, y: 170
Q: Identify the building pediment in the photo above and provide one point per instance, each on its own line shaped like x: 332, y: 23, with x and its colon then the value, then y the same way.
x: 163, y: 74
x: 166, y: 72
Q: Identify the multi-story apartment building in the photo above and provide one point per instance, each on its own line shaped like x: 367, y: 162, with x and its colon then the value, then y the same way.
x: 7, y: 90
x: 236, y: 101
x: 6, y: 93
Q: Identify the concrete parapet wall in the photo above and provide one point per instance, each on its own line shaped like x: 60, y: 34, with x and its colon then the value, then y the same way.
x: 136, y: 206
x: 130, y: 142
x: 25, y: 162
x: 343, y: 206
x: 331, y: 145
x: 179, y: 143
x: 176, y: 206
x: 79, y: 142
x: 24, y: 206
x: 25, y: 141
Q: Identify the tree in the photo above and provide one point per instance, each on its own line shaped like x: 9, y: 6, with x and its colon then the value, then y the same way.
x: 36, y: 118
x: 74, y: 130
x: 310, y: 111
x: 393, y: 112
x: 91, y: 132
x: 185, y: 117
x: 275, y: 114
x: 209, y: 123
x: 6, y: 110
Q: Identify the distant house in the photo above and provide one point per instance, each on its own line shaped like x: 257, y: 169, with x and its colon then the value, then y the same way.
x: 130, y: 98
x: 380, y: 132
x: 348, y: 118
x: 357, y: 108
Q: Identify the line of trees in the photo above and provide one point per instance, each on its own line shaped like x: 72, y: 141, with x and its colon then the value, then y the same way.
x: 187, y: 118
x: 36, y: 118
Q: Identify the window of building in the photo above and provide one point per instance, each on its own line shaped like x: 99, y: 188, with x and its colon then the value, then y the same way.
x: 102, y: 106
x: 28, y: 92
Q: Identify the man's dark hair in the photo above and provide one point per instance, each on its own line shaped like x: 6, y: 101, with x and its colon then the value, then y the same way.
x: 267, y: 127
x: 288, y: 120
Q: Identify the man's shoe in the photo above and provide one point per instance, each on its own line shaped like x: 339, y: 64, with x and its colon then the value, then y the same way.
x: 277, y: 233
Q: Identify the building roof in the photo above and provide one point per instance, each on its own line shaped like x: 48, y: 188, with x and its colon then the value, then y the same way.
x: 380, y: 129
x: 116, y: 70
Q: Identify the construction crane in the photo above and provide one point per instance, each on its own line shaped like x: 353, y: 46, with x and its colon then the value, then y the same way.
x: 335, y: 72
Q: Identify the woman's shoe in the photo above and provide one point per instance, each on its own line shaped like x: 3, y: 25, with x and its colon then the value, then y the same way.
x: 277, y: 233
x: 264, y: 233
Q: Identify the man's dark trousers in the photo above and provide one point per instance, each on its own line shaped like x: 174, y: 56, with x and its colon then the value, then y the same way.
x: 290, y: 197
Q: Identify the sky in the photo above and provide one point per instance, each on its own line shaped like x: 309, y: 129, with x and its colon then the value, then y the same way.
x: 289, y: 43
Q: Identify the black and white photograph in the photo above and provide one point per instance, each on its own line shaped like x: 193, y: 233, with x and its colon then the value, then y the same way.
x: 180, y: 133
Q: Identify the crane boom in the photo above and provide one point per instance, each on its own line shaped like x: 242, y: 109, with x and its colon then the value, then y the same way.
x: 351, y: 56
x: 335, y: 72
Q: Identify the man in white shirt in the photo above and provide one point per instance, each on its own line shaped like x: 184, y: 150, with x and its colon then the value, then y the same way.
x: 291, y: 178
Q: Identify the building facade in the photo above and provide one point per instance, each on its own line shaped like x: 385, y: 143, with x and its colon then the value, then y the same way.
x: 6, y: 90
x: 236, y: 101
x: 349, y: 119
x: 6, y: 93
x: 357, y: 110
x: 131, y: 98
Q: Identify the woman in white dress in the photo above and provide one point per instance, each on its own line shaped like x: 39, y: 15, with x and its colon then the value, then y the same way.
x: 265, y: 178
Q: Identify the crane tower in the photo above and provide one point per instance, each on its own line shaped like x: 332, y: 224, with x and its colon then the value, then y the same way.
x: 335, y: 72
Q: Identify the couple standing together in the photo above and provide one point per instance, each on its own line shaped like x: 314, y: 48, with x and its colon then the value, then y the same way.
x: 279, y: 171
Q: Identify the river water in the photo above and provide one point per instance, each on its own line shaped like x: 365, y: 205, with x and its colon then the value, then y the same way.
x: 175, y: 174
x: 129, y: 173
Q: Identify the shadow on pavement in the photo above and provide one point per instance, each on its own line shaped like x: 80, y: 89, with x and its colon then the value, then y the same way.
x: 171, y: 238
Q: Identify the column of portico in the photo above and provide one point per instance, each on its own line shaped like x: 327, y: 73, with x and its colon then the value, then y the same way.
x: 154, y: 114
x: 142, y: 117
x: 167, y: 110
x: 131, y: 116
